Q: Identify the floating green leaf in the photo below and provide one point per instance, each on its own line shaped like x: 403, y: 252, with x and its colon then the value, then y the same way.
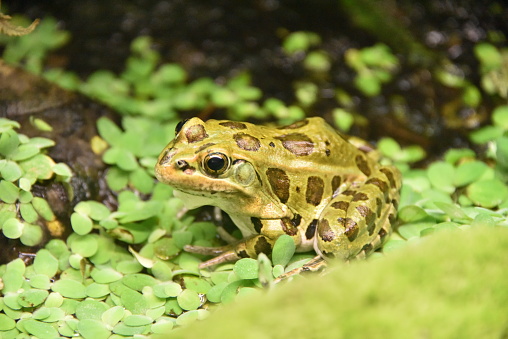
x: 134, y: 301
x: 247, y: 268
x: 167, y: 289
x: 24, y: 152
x: 137, y: 320
x: 40, y: 329
x: 69, y: 288
x: 105, y: 275
x: 93, y: 329
x: 45, y: 263
x: 283, y: 250
x: 6, y: 323
x: 40, y: 281
x: 138, y: 281
x: 113, y: 315
x: 487, y: 193
x: 91, y: 309
x: 412, y: 213
x: 214, y: 294
x: 85, y: 245
x: 441, y: 176
x: 109, y: 131
x: 42, y: 207
x: 13, y: 228
x: 28, y: 213
x: 81, y: 224
x: 9, y: 192
x: 188, y: 300
x: 469, y: 172
x: 9, y: 142
x: 11, y: 171
x: 32, y: 297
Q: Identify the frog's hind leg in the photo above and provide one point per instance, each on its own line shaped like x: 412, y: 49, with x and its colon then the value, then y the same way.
x: 356, y: 221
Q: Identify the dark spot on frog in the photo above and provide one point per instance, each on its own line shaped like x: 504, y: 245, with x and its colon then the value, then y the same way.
x: 233, y: 124
x: 336, y: 180
x: 297, y: 143
x: 279, y: 182
x: 327, y: 143
x: 327, y: 151
x: 297, y: 219
x: 271, y: 144
x: 395, y: 203
x: 383, y: 187
x: 242, y: 254
x: 391, y: 218
x: 340, y: 205
x: 324, y: 231
x: 379, y: 204
x: 195, y: 133
x: 298, y: 124
x: 311, y: 229
x: 247, y: 142
x: 389, y: 175
x: 382, y: 234
x: 314, y: 191
x: 185, y: 167
x: 297, y: 189
x: 362, y: 165
x: 258, y: 225
x: 349, y: 192
x: 351, y: 228
x: 262, y: 246
x: 202, y: 147
x: 370, y: 217
x: 360, y: 197
x: 288, y: 226
x: 367, y: 248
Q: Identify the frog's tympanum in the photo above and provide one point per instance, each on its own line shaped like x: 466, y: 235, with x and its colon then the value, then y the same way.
x: 325, y: 190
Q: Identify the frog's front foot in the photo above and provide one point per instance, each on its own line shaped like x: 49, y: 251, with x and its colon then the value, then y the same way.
x: 246, y: 248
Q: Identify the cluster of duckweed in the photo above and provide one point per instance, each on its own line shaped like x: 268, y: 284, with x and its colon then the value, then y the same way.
x: 23, y: 162
x: 458, y: 192
x: 123, y: 272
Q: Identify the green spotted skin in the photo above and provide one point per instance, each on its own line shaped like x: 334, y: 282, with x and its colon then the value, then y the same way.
x: 325, y: 190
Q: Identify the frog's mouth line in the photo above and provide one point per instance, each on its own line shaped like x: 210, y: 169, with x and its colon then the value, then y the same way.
x: 203, y: 192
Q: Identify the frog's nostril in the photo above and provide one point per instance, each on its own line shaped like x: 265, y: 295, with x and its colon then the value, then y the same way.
x: 181, y: 164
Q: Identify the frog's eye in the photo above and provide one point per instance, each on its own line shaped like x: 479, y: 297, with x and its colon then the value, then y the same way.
x: 179, y: 126
x: 216, y: 163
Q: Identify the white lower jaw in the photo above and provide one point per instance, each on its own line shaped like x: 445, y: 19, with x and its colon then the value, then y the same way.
x: 192, y: 201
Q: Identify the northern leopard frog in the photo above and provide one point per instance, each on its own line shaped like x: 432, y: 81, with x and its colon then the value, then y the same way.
x: 327, y: 191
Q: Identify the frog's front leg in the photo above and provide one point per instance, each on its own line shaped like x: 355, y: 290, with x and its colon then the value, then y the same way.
x: 246, y: 248
x: 269, y: 231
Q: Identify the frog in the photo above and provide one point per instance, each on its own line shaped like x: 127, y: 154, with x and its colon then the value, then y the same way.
x: 326, y: 190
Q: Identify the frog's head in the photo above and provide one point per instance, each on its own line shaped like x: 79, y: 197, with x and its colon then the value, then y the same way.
x: 203, y: 161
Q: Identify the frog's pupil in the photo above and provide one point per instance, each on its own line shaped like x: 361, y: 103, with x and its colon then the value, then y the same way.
x: 216, y: 163
x: 179, y: 126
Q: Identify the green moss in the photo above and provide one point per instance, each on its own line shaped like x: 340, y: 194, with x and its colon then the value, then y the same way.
x: 436, y: 287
